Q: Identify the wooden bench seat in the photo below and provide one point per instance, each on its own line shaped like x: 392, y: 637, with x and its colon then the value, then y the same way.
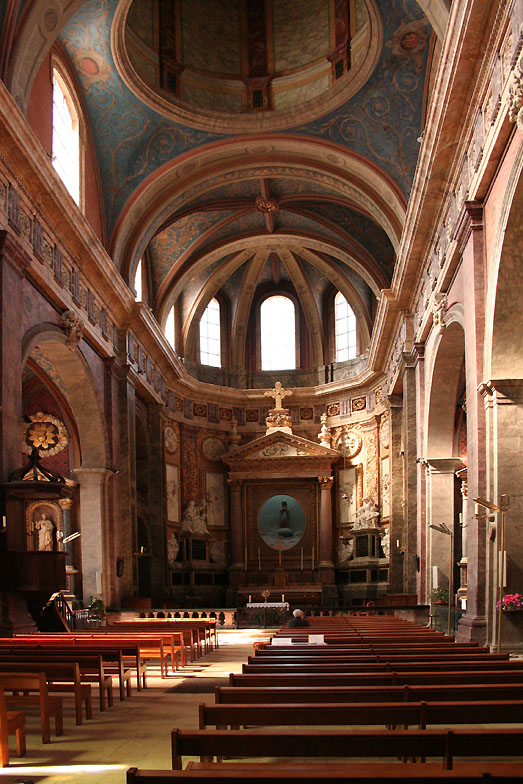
x: 389, y: 663
x: 27, y: 689
x: 113, y: 653
x: 91, y: 667
x: 429, y: 693
x: 447, y: 744
x: 348, y: 773
x: 11, y: 723
x: 386, y: 714
x: 378, y: 678
x: 61, y: 678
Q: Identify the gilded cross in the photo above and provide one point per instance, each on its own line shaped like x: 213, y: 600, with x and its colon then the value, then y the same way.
x: 278, y: 393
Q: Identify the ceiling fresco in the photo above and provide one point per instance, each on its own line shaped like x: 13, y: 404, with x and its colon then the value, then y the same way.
x: 381, y: 122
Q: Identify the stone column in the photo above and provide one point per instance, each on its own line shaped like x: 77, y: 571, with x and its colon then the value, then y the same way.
x: 237, y: 538
x: 441, y: 511
x: 325, y: 547
x: 397, y: 490
x: 65, y: 505
x: 473, y: 625
x: 127, y: 480
x: 157, y: 505
x: 13, y: 261
x: 506, y: 414
x: 93, y: 527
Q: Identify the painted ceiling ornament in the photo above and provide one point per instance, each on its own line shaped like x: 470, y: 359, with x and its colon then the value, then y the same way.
x: 73, y: 327
x: 46, y: 433
x: 409, y: 42
x: 266, y: 204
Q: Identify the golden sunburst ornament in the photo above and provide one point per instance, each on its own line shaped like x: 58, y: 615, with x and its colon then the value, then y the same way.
x: 46, y: 433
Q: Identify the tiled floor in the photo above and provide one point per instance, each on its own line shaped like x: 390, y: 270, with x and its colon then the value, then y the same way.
x: 135, y: 732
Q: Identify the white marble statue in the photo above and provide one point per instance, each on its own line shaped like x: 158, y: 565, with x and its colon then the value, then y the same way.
x: 385, y: 543
x: 367, y: 515
x: 194, y: 518
x: 173, y: 548
x: 345, y: 550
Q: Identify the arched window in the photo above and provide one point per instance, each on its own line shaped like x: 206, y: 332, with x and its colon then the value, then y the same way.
x: 66, y: 137
x: 169, y: 327
x: 210, y: 348
x: 278, y: 333
x: 138, y: 282
x: 345, y: 329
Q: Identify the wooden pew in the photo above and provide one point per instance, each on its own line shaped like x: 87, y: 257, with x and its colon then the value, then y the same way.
x: 114, y: 653
x: 387, y: 714
x: 425, y: 693
x: 447, y: 744
x: 91, y: 667
x: 11, y: 723
x: 61, y: 677
x: 25, y: 688
x: 196, y: 635
x: 352, y: 773
x: 379, y: 678
x: 389, y: 663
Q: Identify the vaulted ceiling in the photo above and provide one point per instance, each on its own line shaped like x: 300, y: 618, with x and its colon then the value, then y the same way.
x: 249, y: 142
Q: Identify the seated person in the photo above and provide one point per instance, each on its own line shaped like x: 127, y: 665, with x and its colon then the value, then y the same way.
x: 299, y: 619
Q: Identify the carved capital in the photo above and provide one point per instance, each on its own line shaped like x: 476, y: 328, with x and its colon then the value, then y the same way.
x: 325, y: 482
x: 515, y: 100
x: 65, y: 503
x: 73, y: 327
x: 439, y: 310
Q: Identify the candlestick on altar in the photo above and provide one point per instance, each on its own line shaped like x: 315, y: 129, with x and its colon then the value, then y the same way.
x: 259, y: 560
x: 301, y: 564
x: 279, y: 557
x: 4, y: 522
x: 313, y: 559
x: 245, y: 559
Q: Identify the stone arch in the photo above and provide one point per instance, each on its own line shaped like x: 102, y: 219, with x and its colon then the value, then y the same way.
x: 349, y: 175
x: 504, y: 317
x: 75, y: 381
x: 443, y: 387
x: 41, y: 27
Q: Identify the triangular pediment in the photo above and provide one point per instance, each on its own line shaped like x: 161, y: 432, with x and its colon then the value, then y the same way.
x: 279, y: 445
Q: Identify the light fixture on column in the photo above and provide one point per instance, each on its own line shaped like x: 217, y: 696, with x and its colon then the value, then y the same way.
x: 444, y: 529
x: 504, y: 504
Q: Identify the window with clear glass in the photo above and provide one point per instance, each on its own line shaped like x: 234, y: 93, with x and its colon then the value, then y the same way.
x: 138, y: 282
x: 278, y: 333
x: 169, y: 327
x: 210, y: 351
x: 66, y: 137
x: 345, y: 329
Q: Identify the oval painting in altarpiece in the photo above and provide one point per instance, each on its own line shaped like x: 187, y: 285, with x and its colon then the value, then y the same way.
x: 281, y: 522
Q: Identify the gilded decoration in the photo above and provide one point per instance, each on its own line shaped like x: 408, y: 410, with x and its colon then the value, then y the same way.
x: 45, y: 432
x: 359, y: 403
x: 333, y: 410
x: 370, y: 477
x: 189, y: 466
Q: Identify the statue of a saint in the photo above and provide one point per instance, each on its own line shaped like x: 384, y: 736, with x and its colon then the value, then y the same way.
x: 194, y: 519
x: 385, y: 543
x: 173, y: 548
x: 45, y: 529
x: 367, y: 515
x: 345, y: 550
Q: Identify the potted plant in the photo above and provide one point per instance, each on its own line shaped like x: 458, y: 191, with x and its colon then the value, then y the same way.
x: 440, y: 595
x: 96, y: 609
x: 511, y: 602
